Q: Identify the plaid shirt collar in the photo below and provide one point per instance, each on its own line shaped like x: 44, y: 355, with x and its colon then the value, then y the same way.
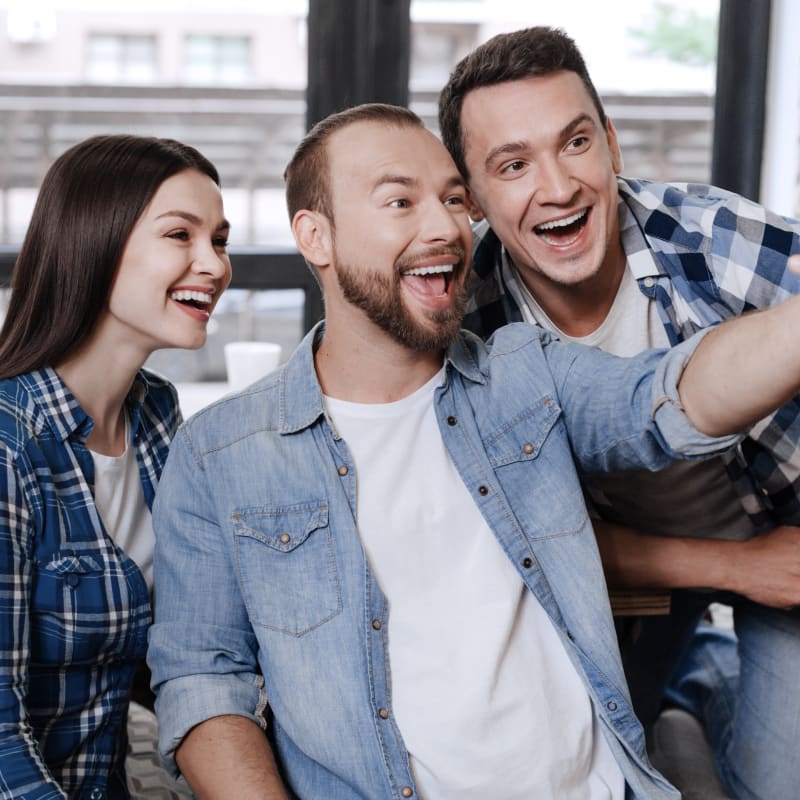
x: 62, y: 410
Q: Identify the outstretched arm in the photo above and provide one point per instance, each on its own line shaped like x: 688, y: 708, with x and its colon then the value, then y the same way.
x: 744, y: 369
x: 229, y: 756
x: 765, y: 569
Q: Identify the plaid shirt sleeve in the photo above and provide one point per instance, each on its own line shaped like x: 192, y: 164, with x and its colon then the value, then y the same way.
x: 721, y: 255
x: 23, y: 773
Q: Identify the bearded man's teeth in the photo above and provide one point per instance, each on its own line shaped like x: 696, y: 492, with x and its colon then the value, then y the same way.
x: 429, y: 270
x: 185, y: 294
x: 561, y: 223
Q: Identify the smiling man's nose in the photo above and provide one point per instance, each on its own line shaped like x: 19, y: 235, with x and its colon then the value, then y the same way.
x: 440, y: 224
x: 554, y: 185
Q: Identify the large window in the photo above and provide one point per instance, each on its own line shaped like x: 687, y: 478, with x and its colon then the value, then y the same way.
x: 217, y: 60
x: 121, y: 58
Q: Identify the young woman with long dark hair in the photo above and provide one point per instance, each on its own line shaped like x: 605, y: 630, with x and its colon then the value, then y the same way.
x: 125, y: 254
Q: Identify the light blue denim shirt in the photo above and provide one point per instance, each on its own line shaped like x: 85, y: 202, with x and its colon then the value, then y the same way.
x: 260, y: 571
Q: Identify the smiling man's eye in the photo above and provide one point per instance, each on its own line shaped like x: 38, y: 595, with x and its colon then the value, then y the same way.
x: 514, y: 166
x: 401, y: 202
x: 578, y: 143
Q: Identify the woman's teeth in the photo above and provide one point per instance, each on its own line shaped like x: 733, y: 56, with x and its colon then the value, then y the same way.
x: 184, y: 295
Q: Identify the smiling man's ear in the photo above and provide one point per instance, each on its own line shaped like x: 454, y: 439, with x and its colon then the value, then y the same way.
x: 613, y: 146
x: 473, y: 209
x: 313, y: 235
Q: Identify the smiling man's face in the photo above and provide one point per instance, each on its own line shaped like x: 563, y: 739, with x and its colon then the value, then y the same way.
x: 402, y: 237
x: 542, y: 169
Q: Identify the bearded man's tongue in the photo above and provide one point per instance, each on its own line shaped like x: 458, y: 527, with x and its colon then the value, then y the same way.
x: 433, y: 285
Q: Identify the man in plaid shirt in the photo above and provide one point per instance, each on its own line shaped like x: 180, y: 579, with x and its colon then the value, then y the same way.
x: 564, y: 242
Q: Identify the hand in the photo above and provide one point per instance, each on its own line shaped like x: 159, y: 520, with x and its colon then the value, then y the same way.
x: 794, y: 264
x: 767, y: 568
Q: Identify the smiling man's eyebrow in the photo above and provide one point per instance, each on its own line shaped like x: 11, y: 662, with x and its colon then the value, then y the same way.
x: 456, y: 181
x: 402, y: 180
x: 521, y: 145
x: 569, y: 128
x: 507, y: 149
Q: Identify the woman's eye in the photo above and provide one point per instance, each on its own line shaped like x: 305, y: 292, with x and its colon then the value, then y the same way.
x: 400, y: 203
x: 456, y: 200
x: 221, y: 242
x: 182, y: 236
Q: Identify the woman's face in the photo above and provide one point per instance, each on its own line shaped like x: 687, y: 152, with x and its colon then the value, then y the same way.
x: 173, y: 269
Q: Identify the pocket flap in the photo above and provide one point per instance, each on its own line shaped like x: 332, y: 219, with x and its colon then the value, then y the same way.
x: 63, y: 563
x: 521, y: 438
x: 282, y: 528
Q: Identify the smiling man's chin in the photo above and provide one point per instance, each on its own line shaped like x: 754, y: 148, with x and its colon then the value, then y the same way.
x: 382, y: 301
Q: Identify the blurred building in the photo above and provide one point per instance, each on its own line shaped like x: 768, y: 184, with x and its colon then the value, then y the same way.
x: 231, y: 81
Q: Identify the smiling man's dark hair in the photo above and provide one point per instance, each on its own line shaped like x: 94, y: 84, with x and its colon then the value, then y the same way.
x: 527, y: 53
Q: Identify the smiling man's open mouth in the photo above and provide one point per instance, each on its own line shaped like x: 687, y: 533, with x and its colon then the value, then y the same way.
x: 564, y: 231
x: 432, y: 281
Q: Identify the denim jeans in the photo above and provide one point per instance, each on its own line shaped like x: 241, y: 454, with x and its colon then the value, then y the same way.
x: 745, y: 688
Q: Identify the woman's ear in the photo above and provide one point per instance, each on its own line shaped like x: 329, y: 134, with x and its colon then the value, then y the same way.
x: 312, y: 233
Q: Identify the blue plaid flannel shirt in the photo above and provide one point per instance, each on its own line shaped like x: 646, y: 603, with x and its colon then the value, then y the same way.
x: 704, y: 255
x: 74, y: 609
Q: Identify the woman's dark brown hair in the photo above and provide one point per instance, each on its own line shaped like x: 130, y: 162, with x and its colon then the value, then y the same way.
x: 88, y: 204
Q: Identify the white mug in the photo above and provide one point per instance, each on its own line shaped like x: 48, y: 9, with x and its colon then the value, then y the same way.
x: 246, y: 362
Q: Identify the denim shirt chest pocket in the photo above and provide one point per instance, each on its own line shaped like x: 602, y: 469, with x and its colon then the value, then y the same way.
x: 531, y: 456
x: 287, y: 566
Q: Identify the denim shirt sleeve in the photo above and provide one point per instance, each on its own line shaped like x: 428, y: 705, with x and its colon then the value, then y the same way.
x: 202, y: 651
x: 22, y: 770
x: 625, y: 412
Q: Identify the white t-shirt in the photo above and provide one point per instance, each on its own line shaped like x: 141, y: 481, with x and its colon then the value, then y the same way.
x: 483, y: 692
x: 688, y: 498
x: 119, y: 498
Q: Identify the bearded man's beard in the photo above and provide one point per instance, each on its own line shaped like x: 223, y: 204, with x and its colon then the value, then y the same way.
x: 380, y: 297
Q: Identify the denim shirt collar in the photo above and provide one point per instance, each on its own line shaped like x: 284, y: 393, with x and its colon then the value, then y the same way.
x: 301, y: 403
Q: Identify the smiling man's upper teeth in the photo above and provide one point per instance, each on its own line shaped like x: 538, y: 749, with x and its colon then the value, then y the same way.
x: 430, y: 270
x: 186, y: 294
x: 561, y: 223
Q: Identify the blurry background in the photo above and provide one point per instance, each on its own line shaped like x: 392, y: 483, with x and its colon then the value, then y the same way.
x: 230, y: 78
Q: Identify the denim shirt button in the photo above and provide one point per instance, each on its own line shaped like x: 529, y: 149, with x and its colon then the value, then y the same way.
x: 376, y: 623
x: 407, y: 791
x: 285, y: 538
x: 343, y: 470
x: 527, y: 448
x: 611, y: 705
x: 383, y: 713
x: 483, y: 490
x: 452, y: 421
x: 527, y: 562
